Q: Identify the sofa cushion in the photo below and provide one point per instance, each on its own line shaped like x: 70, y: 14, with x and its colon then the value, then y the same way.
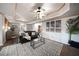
x: 33, y: 33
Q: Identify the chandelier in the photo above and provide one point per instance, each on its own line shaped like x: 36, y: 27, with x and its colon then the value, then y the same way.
x: 39, y: 13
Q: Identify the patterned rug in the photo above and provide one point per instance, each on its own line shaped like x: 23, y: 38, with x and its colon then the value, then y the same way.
x: 50, y: 48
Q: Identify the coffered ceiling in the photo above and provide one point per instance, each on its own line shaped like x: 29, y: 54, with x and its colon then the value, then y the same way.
x: 24, y: 12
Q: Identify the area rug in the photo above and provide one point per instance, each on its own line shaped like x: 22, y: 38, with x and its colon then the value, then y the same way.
x: 50, y: 48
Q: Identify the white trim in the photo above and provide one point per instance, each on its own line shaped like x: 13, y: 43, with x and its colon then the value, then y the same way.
x: 1, y: 44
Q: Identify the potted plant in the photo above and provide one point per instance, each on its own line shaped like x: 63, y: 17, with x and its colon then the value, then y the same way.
x: 73, y: 27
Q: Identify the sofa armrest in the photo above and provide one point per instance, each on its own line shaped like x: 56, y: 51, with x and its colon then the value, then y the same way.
x: 27, y: 37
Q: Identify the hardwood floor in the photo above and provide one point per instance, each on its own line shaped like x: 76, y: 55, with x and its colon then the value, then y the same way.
x: 69, y: 51
x: 50, y: 48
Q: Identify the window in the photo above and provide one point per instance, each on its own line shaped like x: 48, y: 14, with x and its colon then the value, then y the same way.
x: 54, y: 26
x: 58, y: 30
x: 52, y: 29
x: 58, y: 26
x: 47, y: 24
x: 58, y: 23
x: 52, y: 23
